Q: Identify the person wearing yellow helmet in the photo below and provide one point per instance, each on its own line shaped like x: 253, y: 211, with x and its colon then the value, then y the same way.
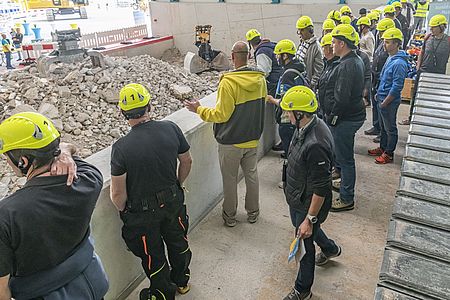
x: 308, y: 172
x: 389, y: 13
x: 328, y: 26
x: 407, y: 10
x: 148, y: 192
x: 335, y: 15
x: 293, y: 75
x: 389, y: 95
x: 45, y: 249
x: 421, y: 11
x: 265, y: 58
x: 308, y: 51
x: 434, y: 55
x: 367, y: 41
x: 348, y: 112
x: 403, y: 22
x: 346, y: 11
x: 346, y: 20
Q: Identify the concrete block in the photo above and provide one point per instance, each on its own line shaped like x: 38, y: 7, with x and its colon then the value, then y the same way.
x: 434, y: 75
x: 244, y: 12
x: 424, y: 189
x: 432, y: 112
x: 238, y: 29
x: 281, y: 28
x: 432, y: 104
x: 428, y: 131
x: 161, y: 18
x: 429, y: 143
x: 214, y: 14
x: 384, y: 293
x: 432, y: 98
x: 427, y: 156
x: 425, y: 171
x: 184, y: 19
x: 430, y: 121
x: 433, y: 91
x: 281, y: 11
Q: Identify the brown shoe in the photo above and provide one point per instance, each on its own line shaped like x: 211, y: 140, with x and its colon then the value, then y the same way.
x: 375, y: 152
x: 384, y: 159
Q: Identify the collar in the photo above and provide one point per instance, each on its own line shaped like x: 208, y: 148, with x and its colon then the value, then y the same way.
x: 306, y: 127
x: 242, y: 67
x: 46, y: 180
x: 349, y: 55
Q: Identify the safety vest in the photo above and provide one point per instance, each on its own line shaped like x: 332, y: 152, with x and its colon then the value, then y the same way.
x: 422, y: 10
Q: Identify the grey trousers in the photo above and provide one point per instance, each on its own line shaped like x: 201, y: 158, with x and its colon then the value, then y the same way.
x: 230, y: 158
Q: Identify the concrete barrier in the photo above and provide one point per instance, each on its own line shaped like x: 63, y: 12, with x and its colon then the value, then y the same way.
x: 154, y: 47
x: 205, y: 191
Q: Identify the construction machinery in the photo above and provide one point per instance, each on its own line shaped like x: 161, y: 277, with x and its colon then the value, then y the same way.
x: 69, y: 51
x: 57, y: 7
x: 206, y: 58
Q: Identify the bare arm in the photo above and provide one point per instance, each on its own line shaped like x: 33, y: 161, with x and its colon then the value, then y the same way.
x: 5, y: 293
x: 184, y: 166
x: 118, y: 191
x: 64, y: 164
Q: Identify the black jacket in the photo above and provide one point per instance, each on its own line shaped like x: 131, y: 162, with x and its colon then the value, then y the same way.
x: 379, y: 59
x: 367, y: 68
x: 326, y: 85
x: 349, y: 104
x: 309, y: 168
x: 266, y: 47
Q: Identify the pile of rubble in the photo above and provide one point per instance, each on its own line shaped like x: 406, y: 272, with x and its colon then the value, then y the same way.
x: 82, y: 100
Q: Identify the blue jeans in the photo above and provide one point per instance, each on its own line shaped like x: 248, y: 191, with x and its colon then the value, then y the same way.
x: 389, y: 132
x: 375, y: 114
x: 286, y: 131
x: 8, y: 60
x: 305, y: 276
x: 344, y: 152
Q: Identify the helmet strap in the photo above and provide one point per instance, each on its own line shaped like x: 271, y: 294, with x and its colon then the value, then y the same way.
x: 298, y: 117
x: 19, y: 163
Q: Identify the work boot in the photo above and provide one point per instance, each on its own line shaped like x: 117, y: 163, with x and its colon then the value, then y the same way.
x: 145, y: 295
x: 183, y: 289
x: 384, y: 158
x: 253, y: 217
x: 338, y: 205
x: 294, y: 295
x: 278, y: 147
x: 322, y: 259
x: 372, y: 131
x: 377, y: 139
x: 335, y: 174
x: 375, y: 152
x: 404, y: 122
x: 336, y: 184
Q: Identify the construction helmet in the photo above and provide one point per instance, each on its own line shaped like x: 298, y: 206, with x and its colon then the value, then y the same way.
x: 285, y: 46
x: 364, y: 21
x: 392, y: 33
x: 396, y: 4
x: 385, y: 24
x: 133, y: 96
x: 373, y: 16
x: 346, y: 20
x: 389, y: 9
x: 347, y: 32
x: 377, y: 11
x: 326, y: 40
x: 299, y: 98
x: 328, y: 24
x: 403, y: 1
x: 251, y: 34
x: 438, y: 20
x: 345, y: 9
x: 304, y: 22
x: 334, y: 15
x: 28, y: 131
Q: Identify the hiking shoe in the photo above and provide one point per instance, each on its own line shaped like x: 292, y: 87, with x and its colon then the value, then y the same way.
x: 375, y: 152
x: 253, y: 217
x: 322, y: 259
x: 294, y: 295
x: 372, y: 131
x: 384, y: 158
x: 278, y: 147
x: 335, y: 174
x: 230, y: 223
x: 338, y: 205
x: 376, y: 139
x: 183, y: 289
x: 145, y: 295
x: 404, y: 122
x: 336, y: 184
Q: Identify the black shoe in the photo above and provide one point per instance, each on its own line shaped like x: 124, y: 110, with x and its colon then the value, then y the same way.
x: 322, y: 259
x: 278, y: 147
x: 294, y: 295
x: 283, y: 156
x: 372, y: 131
x: 145, y: 294
x: 376, y: 139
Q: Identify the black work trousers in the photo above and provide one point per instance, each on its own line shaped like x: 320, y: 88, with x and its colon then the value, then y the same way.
x: 145, y: 234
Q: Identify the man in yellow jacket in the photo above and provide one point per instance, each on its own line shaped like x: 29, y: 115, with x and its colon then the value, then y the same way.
x: 238, y: 124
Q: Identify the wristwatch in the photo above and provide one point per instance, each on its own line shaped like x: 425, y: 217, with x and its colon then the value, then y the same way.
x: 312, y: 219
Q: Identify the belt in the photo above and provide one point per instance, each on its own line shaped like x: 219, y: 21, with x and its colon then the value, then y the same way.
x: 156, y: 200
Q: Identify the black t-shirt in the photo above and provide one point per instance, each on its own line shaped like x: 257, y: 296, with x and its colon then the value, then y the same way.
x: 43, y: 223
x: 148, y: 154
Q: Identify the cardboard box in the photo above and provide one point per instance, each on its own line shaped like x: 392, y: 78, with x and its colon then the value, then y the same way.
x: 408, y: 89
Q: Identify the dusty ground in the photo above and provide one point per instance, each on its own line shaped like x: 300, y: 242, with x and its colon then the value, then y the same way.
x: 250, y: 261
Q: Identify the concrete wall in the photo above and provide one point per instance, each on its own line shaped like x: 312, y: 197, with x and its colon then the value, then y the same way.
x: 154, y: 47
x: 231, y: 20
x: 205, y: 191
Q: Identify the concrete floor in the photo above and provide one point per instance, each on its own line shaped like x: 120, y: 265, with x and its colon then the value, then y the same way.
x: 249, y: 261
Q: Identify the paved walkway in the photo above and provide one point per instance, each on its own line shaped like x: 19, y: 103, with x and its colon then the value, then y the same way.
x: 249, y: 261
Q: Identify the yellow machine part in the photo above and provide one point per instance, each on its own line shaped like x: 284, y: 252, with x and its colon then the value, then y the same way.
x: 43, y: 4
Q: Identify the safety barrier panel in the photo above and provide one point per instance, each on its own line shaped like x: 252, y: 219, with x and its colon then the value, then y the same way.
x: 110, y: 37
x: 33, y: 51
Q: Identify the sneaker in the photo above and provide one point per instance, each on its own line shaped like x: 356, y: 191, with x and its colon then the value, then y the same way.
x: 404, y: 122
x: 384, y: 158
x: 377, y: 139
x: 375, y: 152
x: 145, y: 295
x: 281, y: 185
x: 294, y: 295
x: 372, y: 131
x: 322, y: 259
x: 335, y: 174
x: 278, y: 147
x: 336, y: 184
x: 183, y: 289
x: 338, y: 205
x: 252, y: 218
x: 230, y: 223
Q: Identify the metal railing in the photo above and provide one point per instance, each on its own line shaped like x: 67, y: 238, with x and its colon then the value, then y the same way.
x: 104, y: 38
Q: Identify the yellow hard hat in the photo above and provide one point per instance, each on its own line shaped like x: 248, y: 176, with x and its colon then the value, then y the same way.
x: 345, y: 9
x: 397, y: 4
x: 299, y: 98
x: 364, y: 21
x: 251, y: 34
x: 133, y: 96
x: 304, y: 22
x: 385, y: 24
x: 392, y: 33
x: 346, y: 20
x: 389, y: 9
x: 438, y: 20
x: 346, y: 31
x: 326, y: 39
x: 403, y: 1
x: 334, y: 15
x: 373, y: 16
x: 27, y: 130
x: 328, y: 24
x: 285, y: 46
x: 377, y: 11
